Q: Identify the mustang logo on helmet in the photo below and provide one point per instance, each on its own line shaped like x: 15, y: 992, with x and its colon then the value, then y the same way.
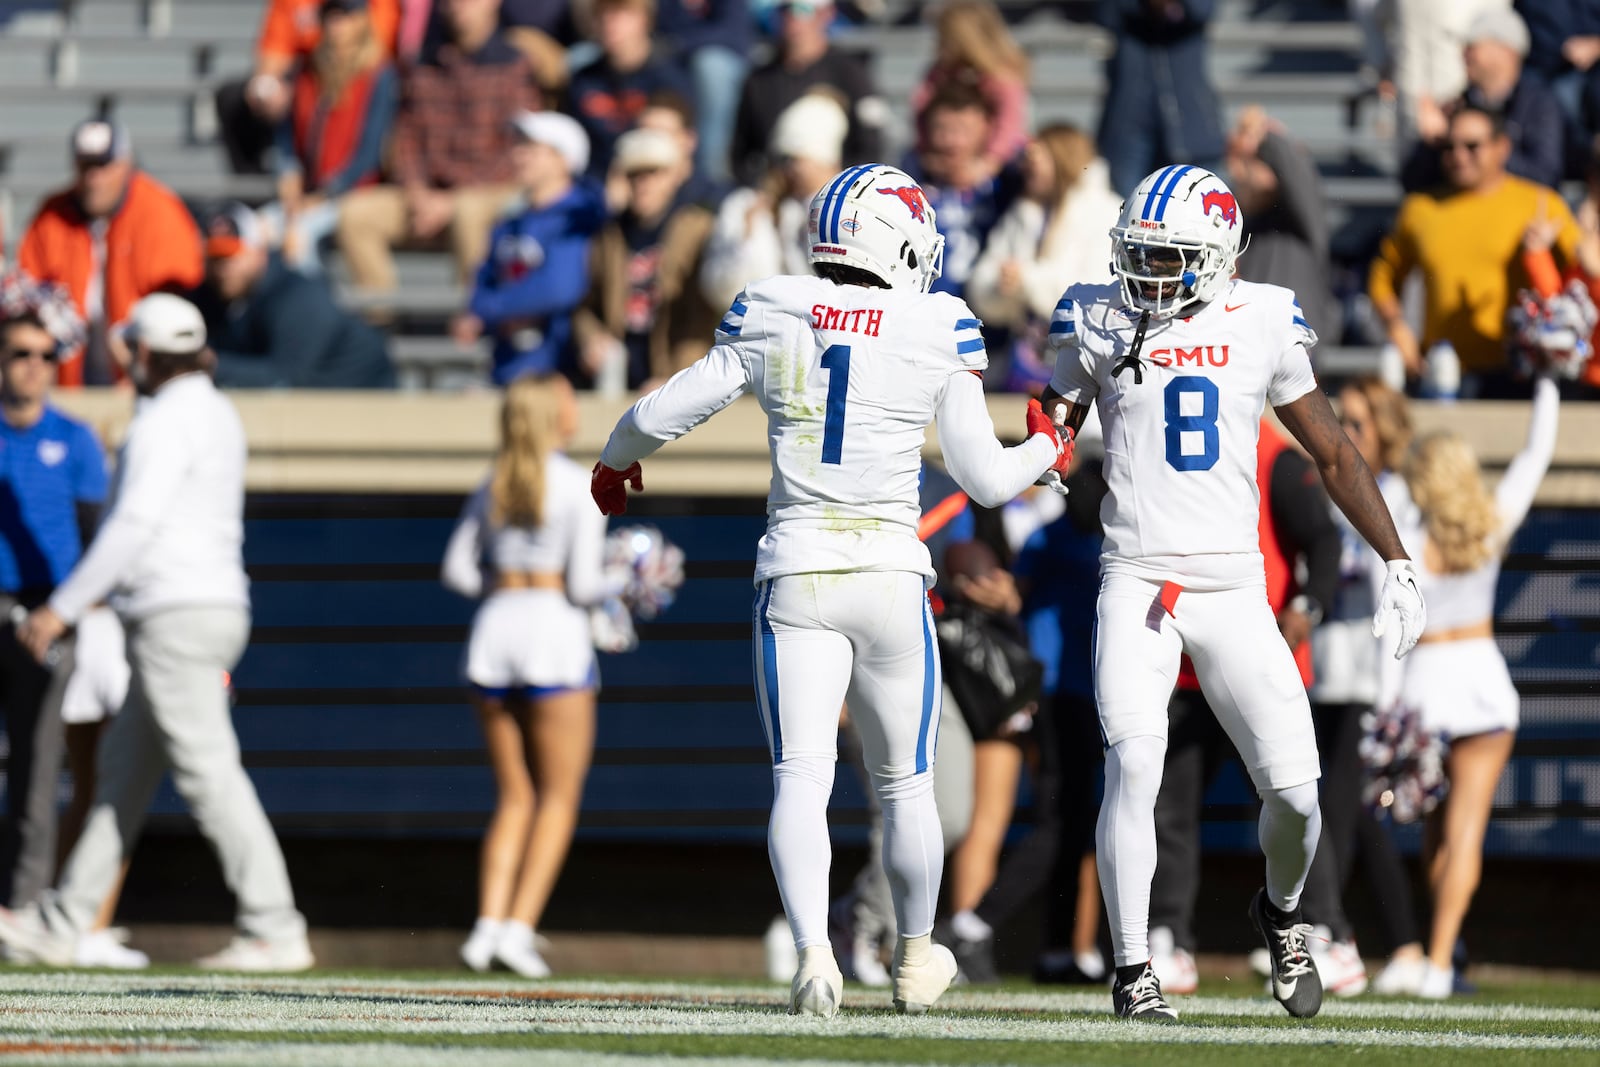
x: 1223, y: 202
x: 911, y: 197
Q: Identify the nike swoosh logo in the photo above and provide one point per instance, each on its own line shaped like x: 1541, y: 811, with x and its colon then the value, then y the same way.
x: 1284, y: 990
x: 1235, y: 307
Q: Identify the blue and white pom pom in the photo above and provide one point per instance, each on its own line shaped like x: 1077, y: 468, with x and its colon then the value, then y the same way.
x: 1405, y: 764
x: 646, y: 572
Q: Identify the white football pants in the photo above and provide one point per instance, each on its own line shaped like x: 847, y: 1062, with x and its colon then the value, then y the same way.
x: 866, y: 639
x: 1250, y: 679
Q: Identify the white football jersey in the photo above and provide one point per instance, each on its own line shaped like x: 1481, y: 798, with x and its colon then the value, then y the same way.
x: 850, y: 378
x: 1181, y: 444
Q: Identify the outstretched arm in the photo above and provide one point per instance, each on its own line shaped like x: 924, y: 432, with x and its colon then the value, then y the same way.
x: 990, y: 473
x: 688, y: 398
x: 1345, y: 474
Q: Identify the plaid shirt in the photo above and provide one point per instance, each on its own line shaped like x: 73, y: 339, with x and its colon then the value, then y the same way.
x: 455, y: 114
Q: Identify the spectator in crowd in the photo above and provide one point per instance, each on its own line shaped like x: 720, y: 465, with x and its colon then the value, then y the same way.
x: 1285, y: 216
x: 975, y: 48
x: 250, y: 110
x: 1429, y: 68
x: 537, y: 271
x: 1346, y: 659
x: 1297, y: 537
x: 529, y: 543
x: 113, y: 236
x: 451, y: 166
x: 673, y: 114
x: 967, y: 198
x: 342, y: 103
x: 804, y: 59
x: 608, y: 94
x: 1588, y: 216
x: 1563, y: 48
x: 762, y: 230
x: 646, y: 317
x: 1056, y: 229
x: 542, y: 30
x: 1466, y: 240
x: 55, y: 484
x: 1497, y: 81
x: 273, y: 328
x: 1159, y: 107
x: 712, y: 38
x: 95, y: 692
x: 1456, y: 678
x: 170, y: 549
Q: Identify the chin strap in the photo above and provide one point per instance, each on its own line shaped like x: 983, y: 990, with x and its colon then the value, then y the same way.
x: 1131, y: 359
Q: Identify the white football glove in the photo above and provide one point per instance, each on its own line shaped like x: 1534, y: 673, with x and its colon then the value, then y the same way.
x: 1051, y: 480
x: 1401, y: 597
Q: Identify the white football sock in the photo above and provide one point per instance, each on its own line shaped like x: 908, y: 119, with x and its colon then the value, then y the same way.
x: 1291, y: 822
x: 1125, y: 842
x: 913, y: 850
x: 799, y: 847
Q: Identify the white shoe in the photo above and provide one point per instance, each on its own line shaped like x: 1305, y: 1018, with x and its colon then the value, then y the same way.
x: 1091, y: 963
x: 1438, y: 983
x: 855, y: 950
x: 104, y: 948
x: 1261, y: 962
x: 917, y: 985
x: 782, y: 958
x: 517, y: 949
x: 1174, y: 966
x: 258, y: 954
x: 1400, y: 978
x: 28, y: 939
x: 1338, y: 962
x: 818, y: 986
x: 477, y: 952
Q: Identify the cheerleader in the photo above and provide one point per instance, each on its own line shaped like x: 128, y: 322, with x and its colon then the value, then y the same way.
x: 1456, y: 678
x: 529, y: 542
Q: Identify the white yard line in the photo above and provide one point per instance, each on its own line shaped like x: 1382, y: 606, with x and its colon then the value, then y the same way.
x: 250, y: 1054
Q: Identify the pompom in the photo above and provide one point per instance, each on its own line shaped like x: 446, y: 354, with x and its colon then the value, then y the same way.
x: 645, y: 571
x: 1404, y: 762
x: 22, y: 295
x: 1552, y: 334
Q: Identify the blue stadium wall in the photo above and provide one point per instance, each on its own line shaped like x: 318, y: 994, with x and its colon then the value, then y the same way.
x: 354, y: 723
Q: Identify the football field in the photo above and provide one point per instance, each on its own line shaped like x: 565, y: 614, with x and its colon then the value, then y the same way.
x: 400, y: 1019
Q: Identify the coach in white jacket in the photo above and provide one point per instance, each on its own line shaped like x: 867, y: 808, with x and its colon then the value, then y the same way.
x: 169, y: 555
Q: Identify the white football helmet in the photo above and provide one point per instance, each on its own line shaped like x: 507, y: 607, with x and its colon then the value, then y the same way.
x: 877, y: 218
x: 1177, y: 240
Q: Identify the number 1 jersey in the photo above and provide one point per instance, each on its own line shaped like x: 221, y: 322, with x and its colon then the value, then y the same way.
x: 1181, y: 443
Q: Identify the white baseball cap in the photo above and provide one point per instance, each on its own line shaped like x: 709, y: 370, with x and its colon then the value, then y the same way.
x: 167, y: 324
x: 647, y: 149
x: 813, y: 127
x: 1504, y: 26
x: 560, y: 132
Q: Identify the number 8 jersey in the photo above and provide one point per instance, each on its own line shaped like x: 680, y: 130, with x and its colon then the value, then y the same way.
x: 1181, y: 422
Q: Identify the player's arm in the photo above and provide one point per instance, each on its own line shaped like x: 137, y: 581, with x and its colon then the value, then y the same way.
x: 990, y: 473
x: 1064, y: 412
x: 1074, y: 376
x: 1351, y: 485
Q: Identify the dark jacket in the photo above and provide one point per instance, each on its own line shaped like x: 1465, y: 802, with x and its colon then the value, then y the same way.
x: 535, y: 276
x: 1288, y: 242
x: 773, y: 87
x: 607, y: 101
x: 693, y: 24
x: 1550, y: 23
x: 1156, y: 81
x: 1535, y: 123
x: 287, y: 332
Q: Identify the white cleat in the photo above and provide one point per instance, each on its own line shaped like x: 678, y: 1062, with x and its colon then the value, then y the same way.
x: 477, y: 952
x: 1401, y: 978
x: 517, y: 948
x: 1174, y: 966
x: 1338, y: 962
x: 104, y: 948
x: 818, y: 986
x: 29, y: 939
x: 922, y: 972
x: 259, y: 955
x: 1438, y: 983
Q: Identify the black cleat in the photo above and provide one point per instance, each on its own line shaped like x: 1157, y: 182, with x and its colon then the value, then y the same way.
x: 1141, y: 999
x: 1295, y: 982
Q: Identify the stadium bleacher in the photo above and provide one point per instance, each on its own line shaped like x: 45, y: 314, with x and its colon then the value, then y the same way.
x: 156, y: 63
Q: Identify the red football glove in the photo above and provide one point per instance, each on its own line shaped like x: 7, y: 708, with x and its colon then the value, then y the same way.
x: 608, y: 487
x: 1060, y: 436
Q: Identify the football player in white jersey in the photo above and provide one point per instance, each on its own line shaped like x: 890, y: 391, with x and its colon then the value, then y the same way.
x: 850, y: 366
x: 1181, y: 359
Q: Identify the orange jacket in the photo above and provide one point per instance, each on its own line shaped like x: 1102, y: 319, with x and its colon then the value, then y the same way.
x: 290, y: 29
x: 152, y: 244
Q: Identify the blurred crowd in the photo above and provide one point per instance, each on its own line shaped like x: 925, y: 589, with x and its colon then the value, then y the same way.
x: 605, y: 175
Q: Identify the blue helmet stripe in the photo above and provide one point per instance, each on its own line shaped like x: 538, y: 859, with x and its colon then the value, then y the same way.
x: 1155, y: 190
x: 1161, y: 205
x: 838, y: 202
x: 827, y: 204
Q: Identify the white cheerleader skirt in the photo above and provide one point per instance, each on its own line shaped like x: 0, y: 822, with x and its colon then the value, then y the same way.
x: 99, y: 682
x: 530, y: 641
x: 1460, y: 688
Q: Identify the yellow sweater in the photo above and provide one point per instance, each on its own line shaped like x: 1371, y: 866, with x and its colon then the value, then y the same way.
x: 1468, y: 246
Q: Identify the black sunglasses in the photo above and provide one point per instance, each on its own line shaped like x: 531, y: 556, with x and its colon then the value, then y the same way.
x: 46, y: 354
x: 1466, y: 146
